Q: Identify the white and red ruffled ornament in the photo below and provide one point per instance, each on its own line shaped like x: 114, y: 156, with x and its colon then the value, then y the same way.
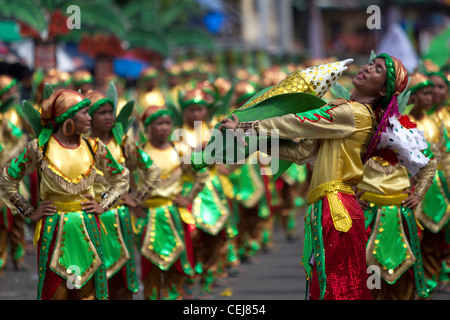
x: 403, y: 143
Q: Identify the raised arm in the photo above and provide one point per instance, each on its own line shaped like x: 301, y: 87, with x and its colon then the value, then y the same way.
x: 328, y: 122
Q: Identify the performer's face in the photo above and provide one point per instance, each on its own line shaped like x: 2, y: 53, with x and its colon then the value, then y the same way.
x: 103, y: 119
x: 82, y: 121
x: 440, y: 89
x: 160, y: 129
x: 423, y: 98
x: 193, y: 113
x: 371, y: 79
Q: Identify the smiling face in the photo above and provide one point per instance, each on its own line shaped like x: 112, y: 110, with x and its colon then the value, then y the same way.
x: 103, y: 119
x: 82, y: 120
x: 371, y: 79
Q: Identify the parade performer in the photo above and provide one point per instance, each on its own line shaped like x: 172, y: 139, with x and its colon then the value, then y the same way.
x: 334, y: 245
x: 433, y: 212
x: 82, y: 80
x: 148, y: 91
x: 163, y: 231
x: 210, y: 208
x: 442, y: 112
x: 388, y: 200
x: 117, y: 236
x: 12, y: 142
x: 70, y: 255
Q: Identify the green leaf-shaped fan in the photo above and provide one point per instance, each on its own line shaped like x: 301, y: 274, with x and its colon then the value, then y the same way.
x: 111, y: 93
x: 339, y: 91
x: 276, y: 106
x: 403, y: 99
x: 298, y: 92
x: 33, y: 117
x: 124, y: 115
x: 5, y: 106
x: 48, y: 90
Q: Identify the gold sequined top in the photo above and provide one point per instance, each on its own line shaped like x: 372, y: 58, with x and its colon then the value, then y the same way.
x: 443, y: 116
x: 66, y: 174
x: 173, y: 171
x: 170, y: 164
x: 431, y: 128
x: 380, y: 177
x: 336, y: 139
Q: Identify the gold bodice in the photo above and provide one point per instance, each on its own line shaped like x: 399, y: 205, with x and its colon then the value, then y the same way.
x: 72, y: 163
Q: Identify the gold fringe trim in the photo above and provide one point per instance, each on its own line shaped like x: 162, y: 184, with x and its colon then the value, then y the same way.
x: 71, y: 187
x: 380, y: 165
x: 167, y: 180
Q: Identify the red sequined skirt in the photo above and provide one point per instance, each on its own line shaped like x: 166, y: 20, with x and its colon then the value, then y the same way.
x: 345, y: 256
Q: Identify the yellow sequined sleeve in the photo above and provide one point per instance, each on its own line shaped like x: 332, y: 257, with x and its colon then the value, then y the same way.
x: 300, y: 152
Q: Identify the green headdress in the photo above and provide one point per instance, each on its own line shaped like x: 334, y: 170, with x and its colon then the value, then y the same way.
x: 44, y: 123
x: 123, y: 120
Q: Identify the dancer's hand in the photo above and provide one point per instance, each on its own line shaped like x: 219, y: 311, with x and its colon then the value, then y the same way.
x: 91, y: 206
x: 412, y: 201
x: 45, y: 209
x: 181, y: 201
x: 229, y: 123
x: 128, y: 201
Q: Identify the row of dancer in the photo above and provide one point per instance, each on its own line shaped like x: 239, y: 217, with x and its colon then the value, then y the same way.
x: 353, y: 236
x: 97, y: 191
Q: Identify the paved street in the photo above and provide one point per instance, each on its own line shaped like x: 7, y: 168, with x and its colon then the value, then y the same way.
x: 276, y: 275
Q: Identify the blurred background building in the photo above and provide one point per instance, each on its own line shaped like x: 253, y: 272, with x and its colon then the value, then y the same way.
x: 124, y: 36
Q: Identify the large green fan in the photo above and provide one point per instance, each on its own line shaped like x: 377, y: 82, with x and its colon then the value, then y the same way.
x: 231, y: 151
x: 301, y: 91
